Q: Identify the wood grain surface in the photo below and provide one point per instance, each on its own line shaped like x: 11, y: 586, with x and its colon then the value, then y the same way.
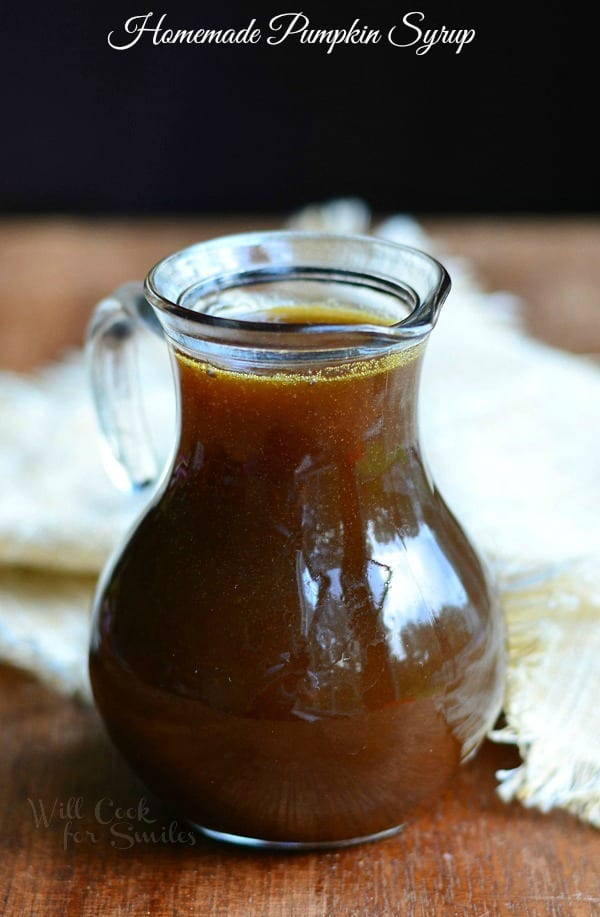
x: 80, y: 835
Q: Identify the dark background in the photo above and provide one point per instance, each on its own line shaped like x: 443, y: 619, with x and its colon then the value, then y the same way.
x: 506, y: 126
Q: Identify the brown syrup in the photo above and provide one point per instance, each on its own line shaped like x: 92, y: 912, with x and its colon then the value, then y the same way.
x: 298, y: 643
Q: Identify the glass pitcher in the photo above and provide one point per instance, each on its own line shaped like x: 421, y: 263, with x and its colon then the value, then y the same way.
x: 296, y: 644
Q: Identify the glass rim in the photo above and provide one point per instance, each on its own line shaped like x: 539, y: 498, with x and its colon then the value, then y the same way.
x: 416, y: 324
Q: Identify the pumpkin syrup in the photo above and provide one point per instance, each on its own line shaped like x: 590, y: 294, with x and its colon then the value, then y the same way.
x: 296, y: 644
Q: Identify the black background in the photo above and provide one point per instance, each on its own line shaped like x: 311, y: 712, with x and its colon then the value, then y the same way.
x: 508, y: 125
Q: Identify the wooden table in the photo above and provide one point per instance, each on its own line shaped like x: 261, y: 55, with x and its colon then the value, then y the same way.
x: 468, y: 855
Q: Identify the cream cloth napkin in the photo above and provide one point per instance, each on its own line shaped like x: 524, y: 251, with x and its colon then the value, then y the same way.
x: 511, y: 429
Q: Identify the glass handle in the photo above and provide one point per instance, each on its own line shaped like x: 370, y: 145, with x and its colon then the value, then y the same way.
x: 112, y: 339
